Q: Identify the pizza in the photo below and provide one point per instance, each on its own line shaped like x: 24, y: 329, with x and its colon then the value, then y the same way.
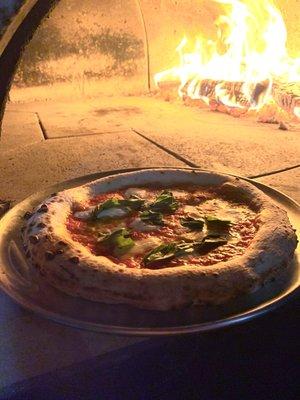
x: 159, y: 239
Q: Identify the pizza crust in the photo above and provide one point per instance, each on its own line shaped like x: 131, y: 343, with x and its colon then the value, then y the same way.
x: 72, y: 268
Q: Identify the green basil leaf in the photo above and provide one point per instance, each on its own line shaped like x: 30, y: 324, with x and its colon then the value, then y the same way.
x: 218, y: 223
x: 134, y: 203
x: 169, y: 251
x: 210, y: 243
x: 166, y: 252
x: 194, y: 224
x: 217, y: 226
x: 111, y: 203
x: 119, y: 241
x: 152, y: 217
x: 164, y: 203
x: 163, y: 252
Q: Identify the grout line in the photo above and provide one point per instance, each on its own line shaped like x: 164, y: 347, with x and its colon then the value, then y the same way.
x: 277, y: 171
x: 191, y: 164
x: 86, y: 135
x: 172, y: 153
x: 43, y: 129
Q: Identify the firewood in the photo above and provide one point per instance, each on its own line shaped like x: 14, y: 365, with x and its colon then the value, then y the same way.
x: 287, y: 95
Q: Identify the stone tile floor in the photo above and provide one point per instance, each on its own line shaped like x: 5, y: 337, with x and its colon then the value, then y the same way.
x: 44, y: 143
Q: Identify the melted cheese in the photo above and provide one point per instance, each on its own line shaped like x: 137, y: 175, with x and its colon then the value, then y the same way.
x: 141, y: 193
x: 140, y: 226
x: 109, y: 213
x: 143, y: 246
x: 223, y: 210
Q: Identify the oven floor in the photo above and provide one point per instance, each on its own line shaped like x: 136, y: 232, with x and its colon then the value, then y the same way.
x: 43, y: 143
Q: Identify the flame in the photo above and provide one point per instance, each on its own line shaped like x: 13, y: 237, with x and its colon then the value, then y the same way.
x: 237, y: 69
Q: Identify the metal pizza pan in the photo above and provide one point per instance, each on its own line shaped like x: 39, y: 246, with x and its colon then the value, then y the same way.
x: 35, y: 294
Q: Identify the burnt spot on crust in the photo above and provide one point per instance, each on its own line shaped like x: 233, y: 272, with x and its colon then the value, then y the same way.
x: 53, y: 194
x: 59, y: 251
x: 49, y: 255
x: 41, y: 225
x: 34, y: 239
x: 43, y: 208
x: 27, y: 215
x: 74, y: 259
x: 61, y: 243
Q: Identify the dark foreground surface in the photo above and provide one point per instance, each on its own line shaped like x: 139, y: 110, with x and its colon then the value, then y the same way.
x: 257, y: 360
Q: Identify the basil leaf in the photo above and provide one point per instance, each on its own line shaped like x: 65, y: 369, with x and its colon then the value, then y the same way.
x: 166, y: 252
x: 217, y: 223
x: 217, y: 226
x: 163, y: 252
x: 152, y: 217
x: 134, y: 203
x: 192, y: 223
x: 119, y: 241
x: 111, y: 203
x: 210, y: 243
x: 164, y: 203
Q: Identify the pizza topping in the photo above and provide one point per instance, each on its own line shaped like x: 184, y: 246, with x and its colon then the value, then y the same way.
x: 164, y: 203
x: 118, y: 241
x: 193, y: 224
x: 141, y: 226
x: 152, y: 217
x: 132, y: 228
x: 33, y: 239
x: 111, y: 208
x: 167, y: 252
x: 136, y: 192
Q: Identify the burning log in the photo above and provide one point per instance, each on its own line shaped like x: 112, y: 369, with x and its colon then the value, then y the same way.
x: 233, y: 91
x: 211, y: 89
x: 287, y: 96
x: 229, y: 97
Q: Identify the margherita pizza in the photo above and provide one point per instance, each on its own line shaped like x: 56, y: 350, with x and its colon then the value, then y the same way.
x: 160, y: 239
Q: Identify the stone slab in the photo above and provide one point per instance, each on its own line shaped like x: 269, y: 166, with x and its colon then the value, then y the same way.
x: 217, y: 141
x: 287, y: 182
x: 208, y: 139
x: 28, y: 169
x: 20, y: 128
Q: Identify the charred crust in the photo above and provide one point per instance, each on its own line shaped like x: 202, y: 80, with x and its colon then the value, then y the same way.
x: 74, y: 259
x: 59, y: 251
x: 27, y: 215
x: 41, y: 225
x: 34, y: 239
x: 49, y: 255
x: 43, y: 208
x: 61, y: 243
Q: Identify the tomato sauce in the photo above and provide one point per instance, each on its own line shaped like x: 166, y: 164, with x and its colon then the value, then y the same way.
x: 242, y: 231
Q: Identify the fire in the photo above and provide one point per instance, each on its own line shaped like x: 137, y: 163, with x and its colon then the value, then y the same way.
x: 246, y: 67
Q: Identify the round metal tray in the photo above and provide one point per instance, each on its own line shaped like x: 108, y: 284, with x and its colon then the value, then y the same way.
x: 35, y: 294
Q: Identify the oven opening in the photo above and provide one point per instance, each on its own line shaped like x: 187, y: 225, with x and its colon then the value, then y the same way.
x: 117, y: 84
